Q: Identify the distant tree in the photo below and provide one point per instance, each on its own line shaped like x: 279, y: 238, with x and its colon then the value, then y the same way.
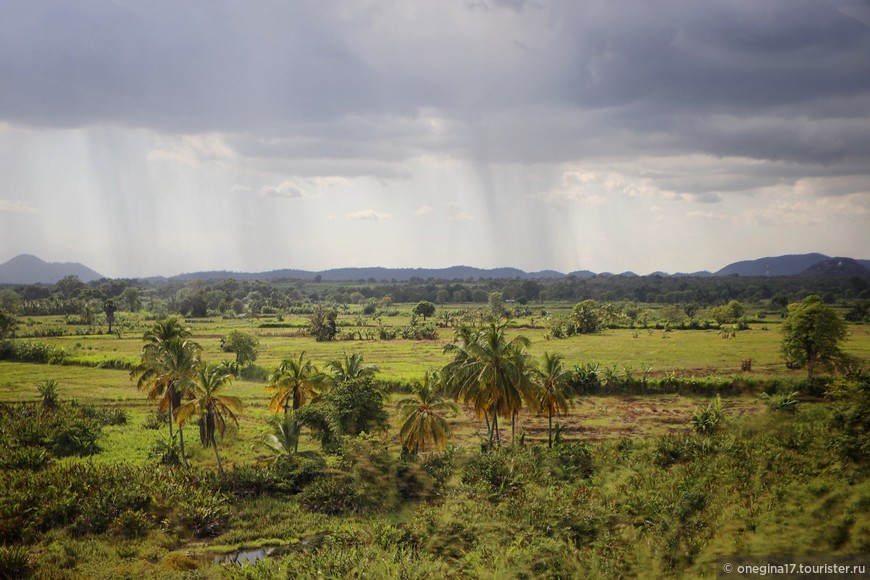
x: 246, y: 346
x: 780, y: 301
x: 69, y: 286
x: 370, y: 307
x: 727, y: 313
x: 112, y: 288
x: 442, y: 296
x: 812, y: 334
x: 131, y: 300
x: 672, y: 314
x: 357, y: 406
x: 495, y: 301
x: 8, y: 325
x: 554, y: 389
x: 586, y: 316
x: 9, y: 300
x: 322, y: 323
x: 109, y: 307
x: 425, y: 309
x: 350, y: 407
x: 351, y: 367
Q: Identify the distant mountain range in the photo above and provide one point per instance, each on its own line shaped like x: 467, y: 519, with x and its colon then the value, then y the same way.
x: 26, y: 269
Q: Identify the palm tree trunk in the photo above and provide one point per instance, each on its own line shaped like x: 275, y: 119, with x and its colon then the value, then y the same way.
x: 170, y: 420
x: 513, y: 428
x: 181, y: 446
x: 550, y: 430
x: 217, y: 456
x: 495, y: 427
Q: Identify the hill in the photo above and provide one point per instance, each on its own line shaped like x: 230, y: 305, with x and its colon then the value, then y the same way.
x: 837, y: 267
x: 379, y: 274
x: 27, y: 269
x: 789, y: 265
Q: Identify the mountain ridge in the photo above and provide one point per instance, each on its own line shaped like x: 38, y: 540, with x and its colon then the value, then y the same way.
x: 28, y: 269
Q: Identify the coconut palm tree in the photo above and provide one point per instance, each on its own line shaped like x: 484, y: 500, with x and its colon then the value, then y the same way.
x: 163, y: 331
x: 490, y: 373
x: 213, y: 409
x: 293, y: 383
x: 351, y: 367
x: 168, y: 358
x: 554, y: 391
x: 422, y: 416
x: 283, y: 441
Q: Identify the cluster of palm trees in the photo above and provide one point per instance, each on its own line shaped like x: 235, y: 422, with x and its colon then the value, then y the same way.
x: 491, y: 374
x: 173, y: 374
x: 497, y: 378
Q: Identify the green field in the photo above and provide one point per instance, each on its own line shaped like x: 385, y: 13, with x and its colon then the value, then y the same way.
x: 657, y: 500
x: 688, y: 352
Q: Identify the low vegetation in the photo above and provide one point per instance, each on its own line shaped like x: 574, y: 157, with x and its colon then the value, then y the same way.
x: 493, y: 454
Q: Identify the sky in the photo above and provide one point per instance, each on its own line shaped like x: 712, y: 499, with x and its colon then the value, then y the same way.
x: 159, y: 137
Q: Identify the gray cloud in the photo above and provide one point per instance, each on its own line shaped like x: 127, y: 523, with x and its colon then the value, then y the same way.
x: 356, y: 89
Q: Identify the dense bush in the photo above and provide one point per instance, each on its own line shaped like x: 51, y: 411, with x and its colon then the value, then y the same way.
x: 88, y: 499
x: 32, y: 352
x: 368, y: 479
x: 280, y: 478
x: 14, y: 562
x: 350, y: 407
x: 849, y: 423
x: 64, y: 431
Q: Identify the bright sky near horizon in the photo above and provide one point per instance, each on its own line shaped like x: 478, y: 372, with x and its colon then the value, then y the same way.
x: 159, y: 137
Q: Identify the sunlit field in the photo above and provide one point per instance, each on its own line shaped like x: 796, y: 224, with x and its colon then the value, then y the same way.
x: 635, y: 463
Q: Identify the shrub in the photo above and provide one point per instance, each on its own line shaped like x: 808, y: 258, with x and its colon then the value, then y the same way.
x: 62, y: 431
x: 494, y: 471
x: 254, y: 372
x: 572, y: 461
x: 32, y: 352
x: 131, y: 524
x: 281, y: 478
x: 30, y: 457
x: 440, y: 466
x: 849, y: 424
x: 708, y: 419
x: 781, y: 402
x: 337, y: 494
x: 104, y: 415
x: 14, y: 562
x: 166, y: 452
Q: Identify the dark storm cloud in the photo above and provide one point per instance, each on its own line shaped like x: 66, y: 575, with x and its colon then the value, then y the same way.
x: 517, y: 82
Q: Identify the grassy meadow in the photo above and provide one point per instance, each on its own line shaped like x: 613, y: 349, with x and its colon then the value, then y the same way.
x: 632, y: 491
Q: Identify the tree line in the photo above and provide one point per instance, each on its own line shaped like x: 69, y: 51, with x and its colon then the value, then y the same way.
x: 490, y: 373
x: 199, y: 298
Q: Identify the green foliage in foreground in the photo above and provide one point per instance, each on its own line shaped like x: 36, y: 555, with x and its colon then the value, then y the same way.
x: 31, y: 435
x: 664, y: 507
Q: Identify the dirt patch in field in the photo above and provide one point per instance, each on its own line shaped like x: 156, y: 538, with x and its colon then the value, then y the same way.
x: 603, y: 418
